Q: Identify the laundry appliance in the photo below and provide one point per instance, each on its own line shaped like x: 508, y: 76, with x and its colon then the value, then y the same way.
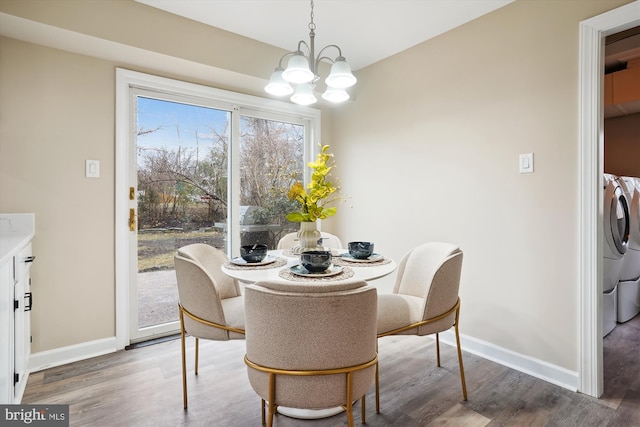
x: 629, y: 282
x: 616, y: 236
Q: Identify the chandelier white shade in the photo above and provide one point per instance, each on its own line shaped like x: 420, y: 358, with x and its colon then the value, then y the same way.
x: 278, y: 86
x: 303, y: 94
x: 335, y: 95
x: 298, y: 71
x: 340, y: 76
x: 302, y: 72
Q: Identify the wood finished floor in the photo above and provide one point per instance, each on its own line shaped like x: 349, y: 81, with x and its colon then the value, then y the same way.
x: 142, y: 387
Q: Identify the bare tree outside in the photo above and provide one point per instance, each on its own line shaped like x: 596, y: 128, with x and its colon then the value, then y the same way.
x: 272, y: 159
x: 183, y: 162
x: 183, y: 177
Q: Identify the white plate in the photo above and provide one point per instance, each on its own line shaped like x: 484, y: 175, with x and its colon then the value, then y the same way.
x: 239, y: 261
x: 374, y: 257
x: 301, y: 271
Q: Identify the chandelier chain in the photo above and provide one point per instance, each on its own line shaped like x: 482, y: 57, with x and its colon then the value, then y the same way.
x: 312, y: 26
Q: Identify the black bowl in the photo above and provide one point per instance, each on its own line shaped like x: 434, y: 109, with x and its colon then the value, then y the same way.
x: 253, y: 253
x: 360, y: 250
x: 316, y: 261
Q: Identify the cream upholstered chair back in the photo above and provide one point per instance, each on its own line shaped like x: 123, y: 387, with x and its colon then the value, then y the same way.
x: 288, y: 241
x: 419, y: 265
x: 211, y: 305
x: 329, y: 240
x: 310, y: 330
x: 208, y: 293
x: 431, y: 272
x: 425, y: 297
x: 211, y: 259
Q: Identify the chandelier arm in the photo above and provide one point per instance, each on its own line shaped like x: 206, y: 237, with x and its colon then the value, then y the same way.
x: 331, y: 45
x: 283, y: 57
x: 320, y: 57
x: 303, y: 43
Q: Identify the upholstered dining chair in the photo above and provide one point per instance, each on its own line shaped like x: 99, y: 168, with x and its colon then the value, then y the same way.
x: 311, y: 346
x: 211, y: 305
x: 329, y: 240
x: 425, y: 297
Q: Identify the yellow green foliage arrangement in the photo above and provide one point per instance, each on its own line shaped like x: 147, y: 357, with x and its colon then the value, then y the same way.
x: 318, y: 194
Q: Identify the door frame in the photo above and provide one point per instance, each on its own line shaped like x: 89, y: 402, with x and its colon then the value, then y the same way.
x: 126, y: 79
x: 590, y: 169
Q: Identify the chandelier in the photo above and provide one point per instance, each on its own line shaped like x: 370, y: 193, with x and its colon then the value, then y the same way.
x: 302, y: 72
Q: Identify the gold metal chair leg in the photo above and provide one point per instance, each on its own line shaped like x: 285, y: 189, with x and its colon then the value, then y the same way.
x: 349, y: 406
x: 377, y: 391
x: 462, y: 380
x: 377, y: 384
x: 197, y: 353
x: 272, y: 398
x: 184, y: 361
x: 364, y: 409
x: 438, y: 348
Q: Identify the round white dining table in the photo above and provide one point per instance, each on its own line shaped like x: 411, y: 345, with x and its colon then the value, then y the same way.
x: 272, y: 272
x: 278, y: 271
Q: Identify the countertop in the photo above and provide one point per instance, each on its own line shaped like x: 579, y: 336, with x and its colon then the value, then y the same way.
x: 16, y: 230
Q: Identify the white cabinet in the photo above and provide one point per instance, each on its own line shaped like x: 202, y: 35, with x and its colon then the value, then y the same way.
x: 6, y: 332
x: 16, y: 258
x: 22, y: 319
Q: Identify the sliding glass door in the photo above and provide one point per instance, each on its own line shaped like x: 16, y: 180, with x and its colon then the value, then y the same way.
x: 202, y: 170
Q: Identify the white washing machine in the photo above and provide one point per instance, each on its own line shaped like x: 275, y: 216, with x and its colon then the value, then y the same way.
x: 616, y: 236
x: 629, y: 283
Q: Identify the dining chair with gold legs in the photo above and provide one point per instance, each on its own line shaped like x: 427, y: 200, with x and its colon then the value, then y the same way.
x: 211, y: 305
x: 425, y: 298
x: 311, y: 347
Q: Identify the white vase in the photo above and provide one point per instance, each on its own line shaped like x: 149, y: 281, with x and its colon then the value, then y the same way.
x: 309, y: 238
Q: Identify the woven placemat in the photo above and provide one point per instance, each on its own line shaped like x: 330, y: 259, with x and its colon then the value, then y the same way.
x: 279, y: 262
x: 345, y: 261
x: 347, y: 273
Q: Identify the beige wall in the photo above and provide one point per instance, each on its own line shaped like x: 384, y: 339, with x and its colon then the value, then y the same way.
x: 428, y: 150
x: 622, y: 145
x: 57, y: 111
x: 439, y: 128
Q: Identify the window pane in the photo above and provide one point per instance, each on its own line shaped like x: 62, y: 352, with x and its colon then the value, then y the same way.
x: 271, y: 160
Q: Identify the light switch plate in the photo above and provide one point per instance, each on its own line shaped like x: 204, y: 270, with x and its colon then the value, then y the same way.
x: 526, y: 163
x: 92, y: 169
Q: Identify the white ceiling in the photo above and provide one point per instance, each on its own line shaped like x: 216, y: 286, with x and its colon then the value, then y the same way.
x: 367, y: 31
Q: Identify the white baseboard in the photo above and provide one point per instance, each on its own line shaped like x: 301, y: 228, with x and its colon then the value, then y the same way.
x: 537, y: 368
x: 73, y: 353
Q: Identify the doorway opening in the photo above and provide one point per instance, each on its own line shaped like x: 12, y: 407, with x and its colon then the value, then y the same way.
x: 621, y: 148
x: 591, y: 168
